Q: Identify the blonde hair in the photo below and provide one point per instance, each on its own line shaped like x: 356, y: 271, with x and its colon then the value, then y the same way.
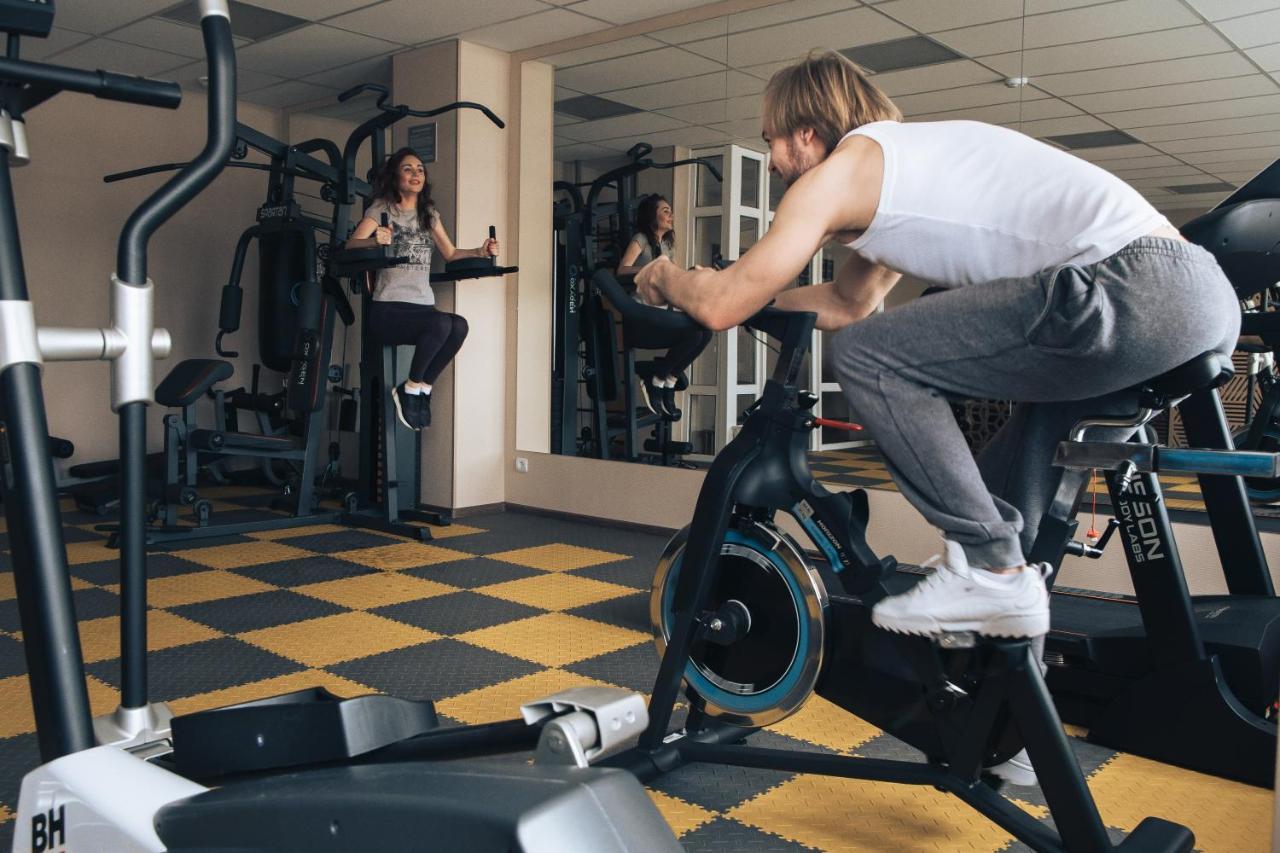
x: 826, y: 92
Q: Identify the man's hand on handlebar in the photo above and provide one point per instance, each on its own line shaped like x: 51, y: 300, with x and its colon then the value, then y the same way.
x: 650, y: 278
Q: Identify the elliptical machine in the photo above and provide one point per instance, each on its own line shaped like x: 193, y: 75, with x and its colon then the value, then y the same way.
x: 753, y: 628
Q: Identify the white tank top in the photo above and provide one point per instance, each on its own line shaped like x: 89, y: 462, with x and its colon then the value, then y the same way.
x: 965, y: 202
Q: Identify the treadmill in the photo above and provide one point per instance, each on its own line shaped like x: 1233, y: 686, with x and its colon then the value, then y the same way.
x: 1124, y: 666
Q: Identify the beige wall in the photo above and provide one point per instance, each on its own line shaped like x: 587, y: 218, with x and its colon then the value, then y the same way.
x: 426, y: 78
x: 70, y: 221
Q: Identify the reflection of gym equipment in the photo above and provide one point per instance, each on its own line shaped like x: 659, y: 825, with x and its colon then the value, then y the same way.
x: 594, y: 355
x: 1184, y: 679
x: 752, y: 628
x: 106, y: 798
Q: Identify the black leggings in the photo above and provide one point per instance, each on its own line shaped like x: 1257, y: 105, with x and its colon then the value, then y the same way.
x: 682, y: 354
x: 437, y: 335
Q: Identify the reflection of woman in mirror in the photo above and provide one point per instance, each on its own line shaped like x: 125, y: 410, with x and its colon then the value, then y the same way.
x: 403, y: 309
x: 654, y: 237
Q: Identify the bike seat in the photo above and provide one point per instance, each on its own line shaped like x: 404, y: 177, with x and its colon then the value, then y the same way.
x: 190, y: 379
x: 1207, y: 370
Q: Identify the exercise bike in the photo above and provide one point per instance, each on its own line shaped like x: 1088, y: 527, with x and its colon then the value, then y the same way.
x: 753, y: 628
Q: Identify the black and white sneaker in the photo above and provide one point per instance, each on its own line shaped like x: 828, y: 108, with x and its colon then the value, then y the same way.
x: 669, y: 406
x: 651, y: 396
x: 406, y: 406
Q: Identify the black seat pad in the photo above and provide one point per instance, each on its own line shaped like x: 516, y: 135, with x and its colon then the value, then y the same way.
x: 643, y: 326
x: 190, y: 379
x: 1207, y: 370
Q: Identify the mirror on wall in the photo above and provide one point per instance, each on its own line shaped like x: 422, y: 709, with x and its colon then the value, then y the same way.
x: 1177, y: 98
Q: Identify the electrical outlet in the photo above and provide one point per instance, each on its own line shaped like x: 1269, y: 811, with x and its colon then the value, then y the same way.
x: 522, y: 465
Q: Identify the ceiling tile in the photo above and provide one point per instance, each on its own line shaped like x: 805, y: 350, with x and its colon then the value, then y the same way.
x: 1036, y: 7
x: 99, y: 17
x: 1212, y: 129
x: 791, y: 41
x: 1121, y: 157
x: 376, y: 70
x: 608, y: 50
x: 1029, y: 115
x: 289, y: 93
x: 1171, y: 71
x: 689, y: 90
x: 669, y: 63
x: 59, y: 39
x: 1125, y: 17
x: 1219, y: 143
x: 1157, y: 172
x: 1226, y: 159
x: 246, y: 80
x: 1235, y: 108
x: 627, y: 11
x: 959, y: 98
x: 168, y: 36
x: 612, y: 128
x: 933, y: 77
x: 538, y: 28
x: 688, y: 136
x: 1268, y: 57
x: 983, y: 40
x: 1105, y: 53
x: 1183, y: 93
x: 1216, y: 10
x: 694, y: 32
x: 745, y: 128
x: 410, y: 22
x: 930, y: 16
x: 311, y: 10
x: 1253, y: 30
x: 310, y: 49
x: 781, y: 13
x: 717, y: 111
x: 121, y: 58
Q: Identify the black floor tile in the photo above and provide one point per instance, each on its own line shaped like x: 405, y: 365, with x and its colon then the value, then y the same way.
x: 434, y: 670
x: 260, y: 610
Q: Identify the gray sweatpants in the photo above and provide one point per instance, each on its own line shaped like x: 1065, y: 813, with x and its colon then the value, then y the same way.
x: 1064, y: 344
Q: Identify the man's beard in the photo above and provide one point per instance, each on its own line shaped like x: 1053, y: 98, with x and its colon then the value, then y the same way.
x: 802, y: 164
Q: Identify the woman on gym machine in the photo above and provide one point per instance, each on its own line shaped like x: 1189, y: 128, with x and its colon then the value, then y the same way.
x: 403, y: 310
x: 664, y: 376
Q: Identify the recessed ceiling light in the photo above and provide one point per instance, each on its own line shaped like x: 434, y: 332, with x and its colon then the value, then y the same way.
x: 899, y: 54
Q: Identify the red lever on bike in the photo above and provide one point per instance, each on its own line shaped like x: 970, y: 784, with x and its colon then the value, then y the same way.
x: 845, y: 425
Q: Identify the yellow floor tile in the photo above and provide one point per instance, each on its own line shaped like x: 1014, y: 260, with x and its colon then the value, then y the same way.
x: 269, y: 687
x: 333, y: 639
x: 77, y: 583
x: 243, y: 554
x: 503, y: 701
x: 682, y: 817
x: 557, y: 557
x: 100, y: 638
x: 853, y: 814
x: 377, y: 590
x: 6, y: 813
x: 826, y: 724
x: 79, y: 553
x: 402, y: 555
x: 1129, y: 788
x: 16, y: 716
x: 290, y: 532
x: 554, y: 639
x: 7, y: 588
x: 449, y: 531
x: 197, y: 586
x: 555, y: 591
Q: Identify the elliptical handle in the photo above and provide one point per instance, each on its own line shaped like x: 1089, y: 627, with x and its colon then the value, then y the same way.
x: 131, y: 253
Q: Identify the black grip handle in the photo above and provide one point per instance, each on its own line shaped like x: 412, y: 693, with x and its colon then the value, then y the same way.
x: 493, y: 233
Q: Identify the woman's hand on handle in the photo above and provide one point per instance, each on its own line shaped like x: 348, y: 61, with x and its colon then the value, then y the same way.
x: 489, y: 249
x: 382, y: 235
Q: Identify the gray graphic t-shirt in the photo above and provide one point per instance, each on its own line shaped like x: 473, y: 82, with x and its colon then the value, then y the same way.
x: 409, y: 282
x: 646, y: 250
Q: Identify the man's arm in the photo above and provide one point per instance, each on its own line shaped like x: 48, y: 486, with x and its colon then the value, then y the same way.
x: 854, y: 294
x: 825, y: 201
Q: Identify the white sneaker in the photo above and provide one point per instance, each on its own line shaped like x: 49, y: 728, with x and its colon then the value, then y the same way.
x: 957, y: 598
x: 1016, y: 771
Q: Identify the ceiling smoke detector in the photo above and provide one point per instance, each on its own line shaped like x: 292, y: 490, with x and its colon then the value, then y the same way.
x: 1017, y: 82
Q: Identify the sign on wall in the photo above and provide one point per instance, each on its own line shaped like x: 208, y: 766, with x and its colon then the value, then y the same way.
x: 422, y: 139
